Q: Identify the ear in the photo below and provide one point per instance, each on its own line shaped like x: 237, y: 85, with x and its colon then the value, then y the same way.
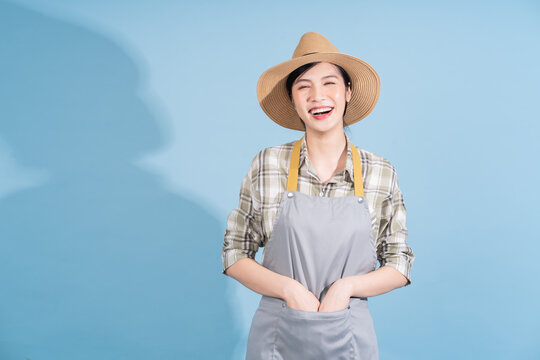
x: 348, y: 93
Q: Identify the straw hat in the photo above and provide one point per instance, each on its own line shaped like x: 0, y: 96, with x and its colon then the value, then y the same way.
x: 272, y: 92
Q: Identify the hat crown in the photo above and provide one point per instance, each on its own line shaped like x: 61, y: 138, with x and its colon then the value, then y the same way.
x: 313, y: 42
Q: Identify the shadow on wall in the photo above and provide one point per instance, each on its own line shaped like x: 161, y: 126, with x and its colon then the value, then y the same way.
x: 98, y: 262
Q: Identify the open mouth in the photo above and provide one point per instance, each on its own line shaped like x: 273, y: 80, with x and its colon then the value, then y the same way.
x: 322, y: 112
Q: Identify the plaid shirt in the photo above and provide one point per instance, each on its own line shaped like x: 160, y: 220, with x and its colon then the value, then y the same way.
x: 249, y: 226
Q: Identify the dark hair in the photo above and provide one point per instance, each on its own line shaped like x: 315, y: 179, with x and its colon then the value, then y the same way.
x: 299, y: 71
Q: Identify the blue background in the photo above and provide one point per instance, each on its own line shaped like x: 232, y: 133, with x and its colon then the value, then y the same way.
x: 126, y: 129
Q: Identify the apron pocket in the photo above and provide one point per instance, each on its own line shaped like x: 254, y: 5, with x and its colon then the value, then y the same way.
x: 314, y: 335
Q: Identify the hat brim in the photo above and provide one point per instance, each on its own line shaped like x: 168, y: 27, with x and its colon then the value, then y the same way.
x: 275, y: 102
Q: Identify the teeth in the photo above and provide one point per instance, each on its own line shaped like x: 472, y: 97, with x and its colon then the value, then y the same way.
x: 321, y: 110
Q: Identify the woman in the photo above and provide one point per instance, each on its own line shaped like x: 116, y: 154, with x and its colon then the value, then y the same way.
x: 324, y: 210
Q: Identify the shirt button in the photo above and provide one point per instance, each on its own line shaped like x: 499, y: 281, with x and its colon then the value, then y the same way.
x: 360, y: 199
x: 290, y: 194
x: 321, y: 194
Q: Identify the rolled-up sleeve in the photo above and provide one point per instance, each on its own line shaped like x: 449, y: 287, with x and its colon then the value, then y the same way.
x: 243, y: 233
x: 392, y: 247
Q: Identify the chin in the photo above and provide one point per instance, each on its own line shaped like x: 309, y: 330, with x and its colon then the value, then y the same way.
x: 322, y: 127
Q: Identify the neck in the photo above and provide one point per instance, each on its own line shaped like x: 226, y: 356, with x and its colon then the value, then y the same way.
x: 326, y: 147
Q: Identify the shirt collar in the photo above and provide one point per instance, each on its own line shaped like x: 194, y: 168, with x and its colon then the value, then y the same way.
x: 347, y: 173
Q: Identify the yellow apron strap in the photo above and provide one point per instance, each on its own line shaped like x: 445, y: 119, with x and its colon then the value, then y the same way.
x: 292, y: 180
x: 357, y: 172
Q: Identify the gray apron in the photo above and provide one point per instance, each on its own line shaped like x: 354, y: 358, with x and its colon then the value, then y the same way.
x: 317, y: 240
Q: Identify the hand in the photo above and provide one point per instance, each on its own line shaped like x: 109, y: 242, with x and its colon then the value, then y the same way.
x: 337, y: 297
x: 299, y: 298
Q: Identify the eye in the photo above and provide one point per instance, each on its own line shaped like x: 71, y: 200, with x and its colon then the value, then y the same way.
x: 301, y: 87
x: 329, y: 82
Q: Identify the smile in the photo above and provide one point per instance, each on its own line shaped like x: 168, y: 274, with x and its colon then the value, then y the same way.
x: 321, y: 112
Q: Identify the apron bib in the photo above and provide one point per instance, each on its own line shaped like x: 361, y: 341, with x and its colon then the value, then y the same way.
x: 316, y: 241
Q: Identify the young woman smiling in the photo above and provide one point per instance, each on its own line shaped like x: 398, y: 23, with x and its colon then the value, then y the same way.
x: 324, y: 210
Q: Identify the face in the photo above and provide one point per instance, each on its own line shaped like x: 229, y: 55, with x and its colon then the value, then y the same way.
x: 319, y: 96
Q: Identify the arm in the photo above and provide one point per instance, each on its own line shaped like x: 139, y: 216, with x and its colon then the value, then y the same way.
x: 243, y: 237
x: 261, y: 280
x: 380, y: 281
x: 377, y: 282
x: 395, y: 256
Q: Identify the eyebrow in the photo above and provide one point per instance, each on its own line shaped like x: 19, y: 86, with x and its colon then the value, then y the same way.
x: 324, y: 77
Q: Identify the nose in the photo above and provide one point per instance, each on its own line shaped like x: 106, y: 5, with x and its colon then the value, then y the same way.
x: 316, y: 93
